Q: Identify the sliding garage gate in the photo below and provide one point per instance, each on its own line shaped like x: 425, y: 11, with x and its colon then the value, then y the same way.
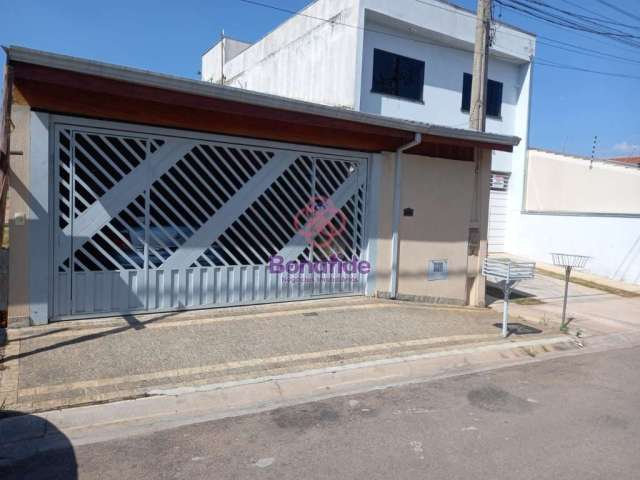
x: 155, y: 222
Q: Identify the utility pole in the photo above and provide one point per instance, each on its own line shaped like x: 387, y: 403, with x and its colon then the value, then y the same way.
x: 482, y: 159
x: 478, y: 105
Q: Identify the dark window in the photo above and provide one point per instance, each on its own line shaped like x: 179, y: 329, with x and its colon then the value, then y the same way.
x: 397, y: 75
x: 494, y: 95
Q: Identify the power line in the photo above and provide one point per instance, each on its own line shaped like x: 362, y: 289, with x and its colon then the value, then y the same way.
x: 523, y: 9
x: 541, y: 39
x: 357, y: 27
x: 540, y: 61
x: 618, y: 9
x: 570, y: 23
x: 528, y: 7
x: 589, y: 52
x: 599, y: 54
x: 576, y: 33
x: 568, y: 19
x: 583, y: 8
x: 597, y: 21
x: 586, y: 70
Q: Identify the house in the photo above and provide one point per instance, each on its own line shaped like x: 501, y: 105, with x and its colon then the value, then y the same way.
x: 135, y: 192
x: 407, y: 59
x: 631, y: 161
x: 579, y: 205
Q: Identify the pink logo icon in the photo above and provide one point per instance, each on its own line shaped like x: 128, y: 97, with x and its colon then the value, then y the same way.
x: 320, y: 221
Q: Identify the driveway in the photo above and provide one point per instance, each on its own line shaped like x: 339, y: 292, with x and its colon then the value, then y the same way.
x: 79, y: 362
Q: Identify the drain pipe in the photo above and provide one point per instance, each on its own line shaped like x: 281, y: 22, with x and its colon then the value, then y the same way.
x: 395, y: 224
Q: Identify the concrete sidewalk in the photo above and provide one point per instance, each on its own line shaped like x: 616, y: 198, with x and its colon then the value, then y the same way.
x: 74, y: 363
x: 580, y: 277
x: 592, y: 310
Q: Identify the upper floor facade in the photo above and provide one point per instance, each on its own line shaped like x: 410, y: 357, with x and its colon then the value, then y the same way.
x: 409, y: 59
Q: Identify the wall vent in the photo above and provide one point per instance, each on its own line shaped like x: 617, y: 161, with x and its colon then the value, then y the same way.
x: 437, y: 270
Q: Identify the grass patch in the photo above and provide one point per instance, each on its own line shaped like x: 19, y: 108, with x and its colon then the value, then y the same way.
x: 588, y: 283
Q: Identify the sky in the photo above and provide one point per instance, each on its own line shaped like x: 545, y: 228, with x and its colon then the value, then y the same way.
x: 569, y: 107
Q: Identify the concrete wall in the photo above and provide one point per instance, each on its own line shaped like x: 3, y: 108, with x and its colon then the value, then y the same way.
x: 304, y: 58
x: 442, y: 92
x: 608, y: 235
x: 445, y: 63
x: 612, y: 242
x: 440, y: 192
x: 28, y: 215
x: 444, y: 23
x: 212, y: 66
x: 330, y: 62
x: 561, y: 183
x: 18, y: 301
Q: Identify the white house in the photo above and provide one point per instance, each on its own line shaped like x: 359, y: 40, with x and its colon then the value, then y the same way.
x: 133, y: 191
x: 408, y: 59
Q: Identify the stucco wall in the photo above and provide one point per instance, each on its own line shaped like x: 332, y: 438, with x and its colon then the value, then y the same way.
x: 442, y: 91
x: 18, y: 302
x: 455, y: 23
x: 612, y: 239
x: 440, y: 192
x: 330, y: 62
x: 612, y: 242
x: 212, y: 61
x: 561, y: 183
x: 304, y: 58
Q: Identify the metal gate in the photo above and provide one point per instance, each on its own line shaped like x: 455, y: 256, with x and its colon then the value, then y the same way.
x: 156, y: 222
x: 498, y: 196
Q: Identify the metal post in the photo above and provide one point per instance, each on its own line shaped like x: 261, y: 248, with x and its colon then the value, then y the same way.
x: 508, y: 274
x: 505, y: 310
x: 567, y: 274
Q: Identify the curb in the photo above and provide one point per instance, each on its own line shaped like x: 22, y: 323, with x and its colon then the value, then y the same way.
x: 23, y: 435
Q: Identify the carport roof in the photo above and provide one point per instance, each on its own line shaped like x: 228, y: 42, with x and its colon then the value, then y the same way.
x: 70, y: 85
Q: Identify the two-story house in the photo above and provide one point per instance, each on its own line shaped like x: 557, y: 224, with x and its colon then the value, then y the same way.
x: 409, y: 59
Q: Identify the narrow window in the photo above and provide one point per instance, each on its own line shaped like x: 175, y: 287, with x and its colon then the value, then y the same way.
x: 397, y: 75
x: 494, y: 96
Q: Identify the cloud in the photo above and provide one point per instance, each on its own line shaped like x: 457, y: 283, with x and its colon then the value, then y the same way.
x: 626, y: 147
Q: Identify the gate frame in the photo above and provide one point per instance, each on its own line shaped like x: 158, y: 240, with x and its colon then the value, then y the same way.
x: 51, y: 121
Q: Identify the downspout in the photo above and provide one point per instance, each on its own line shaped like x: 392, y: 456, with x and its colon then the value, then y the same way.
x: 395, y: 223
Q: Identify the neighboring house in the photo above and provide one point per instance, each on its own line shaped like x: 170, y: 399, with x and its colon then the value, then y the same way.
x: 406, y: 59
x: 631, y: 161
x: 572, y: 204
x: 136, y: 192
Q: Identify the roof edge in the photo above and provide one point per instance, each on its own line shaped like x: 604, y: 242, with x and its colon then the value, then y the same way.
x: 207, y: 89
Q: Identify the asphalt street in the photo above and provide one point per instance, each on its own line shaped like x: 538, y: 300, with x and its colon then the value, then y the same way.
x: 570, y: 418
